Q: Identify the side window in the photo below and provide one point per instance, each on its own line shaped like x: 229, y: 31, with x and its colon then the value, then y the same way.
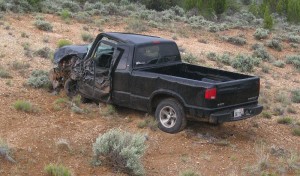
x: 124, y: 58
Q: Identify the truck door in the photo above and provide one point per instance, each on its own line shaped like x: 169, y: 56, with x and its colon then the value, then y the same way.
x: 96, y: 72
x: 120, y: 76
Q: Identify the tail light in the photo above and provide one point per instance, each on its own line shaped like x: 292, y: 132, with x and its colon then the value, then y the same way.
x: 211, y: 94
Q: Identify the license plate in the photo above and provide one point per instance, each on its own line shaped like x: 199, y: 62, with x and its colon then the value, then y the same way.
x: 238, y: 113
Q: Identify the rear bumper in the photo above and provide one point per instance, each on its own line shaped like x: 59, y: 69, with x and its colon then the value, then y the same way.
x: 228, y: 115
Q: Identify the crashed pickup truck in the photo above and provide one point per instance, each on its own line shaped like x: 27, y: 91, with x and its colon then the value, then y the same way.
x: 146, y: 73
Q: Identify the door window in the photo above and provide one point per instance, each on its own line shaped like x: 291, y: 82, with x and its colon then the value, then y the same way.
x: 103, y: 55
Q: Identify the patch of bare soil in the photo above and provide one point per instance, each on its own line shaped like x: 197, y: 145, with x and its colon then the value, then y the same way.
x: 230, y: 149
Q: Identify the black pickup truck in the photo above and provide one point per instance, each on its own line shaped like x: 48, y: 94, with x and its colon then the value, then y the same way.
x: 146, y: 73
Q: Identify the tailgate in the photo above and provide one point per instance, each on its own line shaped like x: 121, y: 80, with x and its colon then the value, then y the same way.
x: 237, y: 92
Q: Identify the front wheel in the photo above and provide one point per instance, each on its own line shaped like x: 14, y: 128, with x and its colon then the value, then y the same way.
x: 71, y: 87
x: 170, y: 116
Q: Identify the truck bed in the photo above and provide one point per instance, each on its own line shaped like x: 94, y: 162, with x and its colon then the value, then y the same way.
x: 198, y: 73
x: 233, y: 89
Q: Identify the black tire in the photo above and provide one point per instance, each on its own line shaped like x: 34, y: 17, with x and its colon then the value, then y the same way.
x: 71, y: 88
x: 85, y: 100
x: 170, y: 116
x: 217, y: 124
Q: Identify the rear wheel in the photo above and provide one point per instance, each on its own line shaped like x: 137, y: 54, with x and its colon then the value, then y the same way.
x: 170, y: 116
x: 71, y: 88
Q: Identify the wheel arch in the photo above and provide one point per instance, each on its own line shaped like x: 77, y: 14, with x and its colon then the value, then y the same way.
x: 158, y: 96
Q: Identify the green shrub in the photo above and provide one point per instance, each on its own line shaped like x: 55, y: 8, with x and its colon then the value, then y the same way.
x: 189, y: 58
x: 65, y: 14
x: 225, y: 59
x: 209, y: 8
x: 5, y: 151
x: 109, y: 110
x: 63, y: 42
x: 213, y: 28
x: 44, y: 25
x: 76, y: 109
x: 254, y: 9
x: 26, y: 46
x: 17, y: 65
x: 293, y: 11
x: 39, y: 79
x: 122, y: 150
x: 291, y: 110
x: 189, y: 173
x: 4, y: 73
x: 111, y: 9
x: 212, y: 56
x: 159, y: 5
x: 24, y: 35
x: 83, y: 17
x: 265, y: 69
x: 44, y: 52
x: 20, y: 6
x: 294, y: 60
x: 261, y: 52
x: 281, y: 7
x: 87, y: 37
x: 294, y: 38
x: 279, y: 64
x: 57, y: 170
x: 266, y: 115
x: 282, y: 98
x: 278, y: 110
x: 149, y: 122
x: 275, y: 44
x: 261, y: 33
x: 245, y: 63
x: 21, y: 105
x: 285, y: 120
x: 136, y: 26
x: 268, y: 19
x: 246, y: 2
x: 61, y: 103
x: 296, y: 96
x: 71, y: 6
x: 174, y: 37
x: 236, y: 40
x: 296, y: 132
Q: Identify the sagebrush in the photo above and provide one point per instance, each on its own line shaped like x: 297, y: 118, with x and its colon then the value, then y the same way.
x: 245, y: 63
x: 294, y: 60
x: 39, y: 79
x: 122, y: 150
x: 44, y: 25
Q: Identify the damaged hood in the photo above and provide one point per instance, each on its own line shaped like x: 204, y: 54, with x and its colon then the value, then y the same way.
x: 78, y: 50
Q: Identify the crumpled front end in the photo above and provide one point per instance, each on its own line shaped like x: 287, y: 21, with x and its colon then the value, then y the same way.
x: 73, y: 50
x: 64, y: 60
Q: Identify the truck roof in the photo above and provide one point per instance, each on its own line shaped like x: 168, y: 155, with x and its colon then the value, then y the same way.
x: 136, y: 39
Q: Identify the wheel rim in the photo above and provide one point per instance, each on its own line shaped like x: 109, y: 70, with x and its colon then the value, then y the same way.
x: 168, y: 117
